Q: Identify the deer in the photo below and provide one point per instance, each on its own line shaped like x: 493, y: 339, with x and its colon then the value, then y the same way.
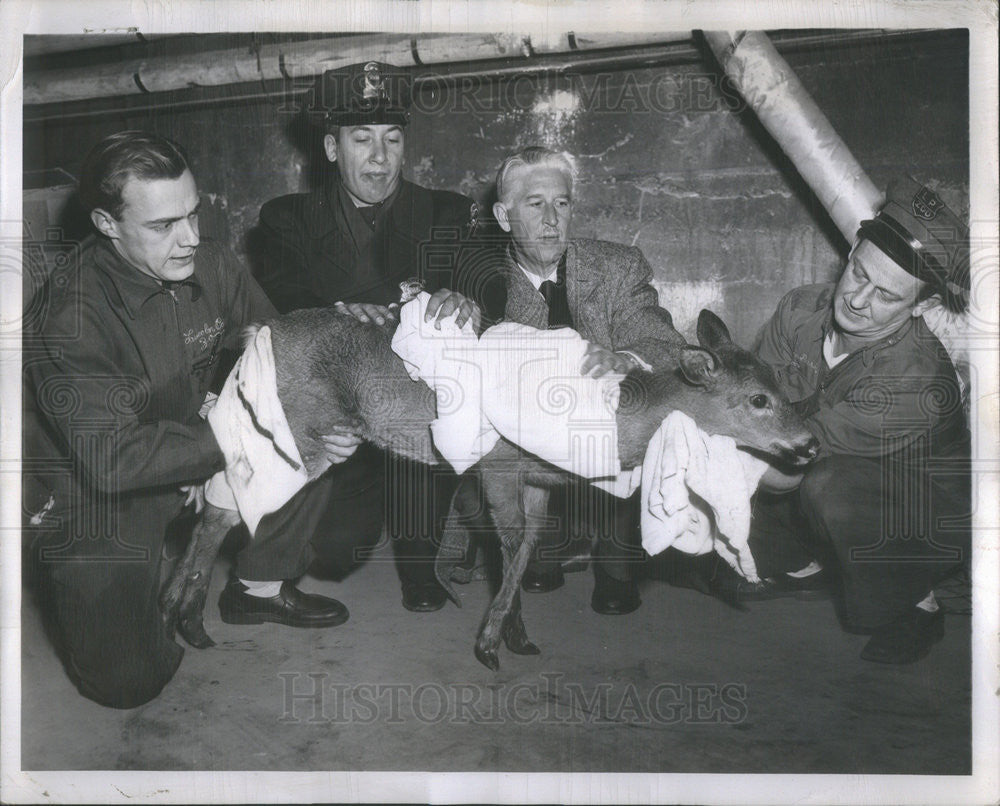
x: 334, y: 371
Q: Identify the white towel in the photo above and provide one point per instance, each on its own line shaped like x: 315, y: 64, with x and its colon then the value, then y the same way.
x: 538, y: 399
x: 263, y: 466
x: 516, y: 381
x: 525, y: 384
x: 448, y: 361
x: 680, y: 460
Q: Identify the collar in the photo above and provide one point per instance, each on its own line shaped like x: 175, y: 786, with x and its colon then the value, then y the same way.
x: 869, y: 351
x: 557, y: 275
x: 135, y: 289
x: 323, y: 203
x: 353, y: 200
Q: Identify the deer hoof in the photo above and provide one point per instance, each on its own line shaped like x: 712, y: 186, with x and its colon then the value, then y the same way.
x: 517, y: 641
x: 524, y: 647
x: 488, y: 658
x: 193, y: 631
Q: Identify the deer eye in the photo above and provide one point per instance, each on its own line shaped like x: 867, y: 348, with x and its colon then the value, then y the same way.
x: 759, y: 401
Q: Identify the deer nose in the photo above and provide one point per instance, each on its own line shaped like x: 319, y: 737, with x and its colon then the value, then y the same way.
x: 810, y: 450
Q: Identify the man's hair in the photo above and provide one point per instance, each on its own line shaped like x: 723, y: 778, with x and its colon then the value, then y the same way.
x: 124, y: 155
x: 534, y: 155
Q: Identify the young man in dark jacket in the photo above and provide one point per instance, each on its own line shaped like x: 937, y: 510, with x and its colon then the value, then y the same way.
x: 119, y: 368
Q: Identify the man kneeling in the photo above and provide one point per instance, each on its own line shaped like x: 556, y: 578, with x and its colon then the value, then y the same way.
x: 886, y: 506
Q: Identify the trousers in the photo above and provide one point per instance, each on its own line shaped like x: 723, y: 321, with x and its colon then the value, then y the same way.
x: 888, y: 533
x: 96, y: 571
x: 581, y: 513
x: 337, y: 520
x: 98, y: 568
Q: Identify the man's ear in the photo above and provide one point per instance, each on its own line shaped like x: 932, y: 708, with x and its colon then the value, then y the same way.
x: 105, y: 223
x: 500, y: 214
x: 330, y: 147
x: 925, y: 305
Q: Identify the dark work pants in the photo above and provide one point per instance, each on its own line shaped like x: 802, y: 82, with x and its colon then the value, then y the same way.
x: 888, y: 533
x: 99, y: 598
x: 338, y: 519
x: 579, y: 512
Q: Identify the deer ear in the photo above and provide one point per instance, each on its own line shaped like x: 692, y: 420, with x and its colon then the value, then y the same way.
x: 698, y: 365
x: 712, y: 331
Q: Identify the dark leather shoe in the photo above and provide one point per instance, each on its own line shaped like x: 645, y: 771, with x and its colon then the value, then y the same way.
x: 814, y: 586
x: 730, y: 586
x: 614, y: 597
x: 544, y: 581
x: 906, y: 640
x: 289, y: 606
x: 423, y: 597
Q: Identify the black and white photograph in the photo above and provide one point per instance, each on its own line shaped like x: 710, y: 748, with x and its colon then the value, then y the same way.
x: 532, y: 402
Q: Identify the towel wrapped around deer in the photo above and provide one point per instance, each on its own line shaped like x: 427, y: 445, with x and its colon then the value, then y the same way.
x: 512, y: 401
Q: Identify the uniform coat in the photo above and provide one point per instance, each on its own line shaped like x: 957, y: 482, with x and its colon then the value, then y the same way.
x: 319, y: 249
x: 313, y: 257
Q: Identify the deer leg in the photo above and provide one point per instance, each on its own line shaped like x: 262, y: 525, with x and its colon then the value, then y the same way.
x: 518, y: 530
x: 514, y: 634
x: 182, y: 601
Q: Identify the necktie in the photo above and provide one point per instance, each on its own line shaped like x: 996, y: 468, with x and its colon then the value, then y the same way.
x: 174, y: 285
x: 555, y: 298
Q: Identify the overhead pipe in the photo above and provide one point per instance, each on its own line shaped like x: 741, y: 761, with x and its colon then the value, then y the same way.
x: 309, y: 58
x: 785, y: 108
x: 266, y: 71
x: 788, y: 112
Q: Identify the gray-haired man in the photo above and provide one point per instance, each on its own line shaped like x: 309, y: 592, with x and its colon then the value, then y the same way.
x: 540, y: 276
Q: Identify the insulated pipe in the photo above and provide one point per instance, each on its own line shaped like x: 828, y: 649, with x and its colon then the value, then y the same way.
x: 309, y: 58
x: 773, y: 91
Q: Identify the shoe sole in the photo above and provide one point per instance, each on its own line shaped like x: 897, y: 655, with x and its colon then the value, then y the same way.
x: 424, y: 608
x: 802, y: 596
x: 615, y: 612
x: 541, y: 590
x: 259, y: 618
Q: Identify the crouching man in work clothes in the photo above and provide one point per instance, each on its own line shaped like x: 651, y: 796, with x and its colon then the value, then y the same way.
x: 351, y: 243
x: 886, y: 506
x: 120, y: 368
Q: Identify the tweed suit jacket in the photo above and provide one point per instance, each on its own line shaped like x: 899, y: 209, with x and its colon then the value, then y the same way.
x: 610, y: 298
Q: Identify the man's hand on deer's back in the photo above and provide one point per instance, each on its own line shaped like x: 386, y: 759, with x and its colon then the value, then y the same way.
x: 443, y: 303
x: 369, y: 312
x: 341, y: 445
x: 598, y: 361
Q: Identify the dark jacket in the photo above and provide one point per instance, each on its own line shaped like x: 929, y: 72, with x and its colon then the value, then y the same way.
x: 313, y: 256
x: 119, y: 369
x: 898, y: 393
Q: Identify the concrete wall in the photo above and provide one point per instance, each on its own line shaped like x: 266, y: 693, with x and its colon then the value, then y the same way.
x: 666, y: 162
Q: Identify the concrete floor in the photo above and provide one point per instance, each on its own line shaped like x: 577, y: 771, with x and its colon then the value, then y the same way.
x: 685, y: 684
